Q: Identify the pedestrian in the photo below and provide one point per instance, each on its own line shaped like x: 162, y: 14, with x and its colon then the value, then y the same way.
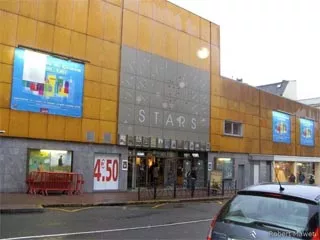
x: 193, y: 176
x: 311, y: 179
x: 301, y: 177
x: 155, y: 174
x: 292, y: 178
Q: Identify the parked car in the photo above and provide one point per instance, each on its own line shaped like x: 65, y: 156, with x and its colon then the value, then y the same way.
x: 269, y: 211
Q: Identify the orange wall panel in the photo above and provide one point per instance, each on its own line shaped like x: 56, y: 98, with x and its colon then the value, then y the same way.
x: 4, y: 120
x: 78, y: 45
x: 47, y: 11
x: 93, y: 73
x: 44, y: 36
x: 6, y: 55
x: 5, y: 73
x: 56, y: 127
x: 130, y: 28
x: 89, y: 125
x: 29, y: 8
x: 10, y: 5
x: 38, y: 124
x: 108, y: 110
x: 80, y: 8
x: 5, y: 92
x: 132, y: 5
x: 8, y: 28
x: 112, y: 31
x: 61, y: 41
x: 73, y: 129
x: 110, y: 77
x: 91, y: 108
x: 64, y: 13
x: 19, y: 124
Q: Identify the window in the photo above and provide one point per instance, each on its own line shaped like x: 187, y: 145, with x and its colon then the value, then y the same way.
x: 224, y: 165
x: 49, y: 160
x: 233, y: 128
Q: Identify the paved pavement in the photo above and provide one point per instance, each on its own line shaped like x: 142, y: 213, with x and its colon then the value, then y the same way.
x: 21, y: 202
x: 157, y: 221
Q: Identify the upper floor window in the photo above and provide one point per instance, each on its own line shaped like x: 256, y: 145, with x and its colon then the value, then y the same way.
x: 233, y: 128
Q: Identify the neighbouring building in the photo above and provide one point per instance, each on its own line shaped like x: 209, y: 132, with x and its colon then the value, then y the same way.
x: 113, y: 88
x: 313, y: 102
x: 287, y: 89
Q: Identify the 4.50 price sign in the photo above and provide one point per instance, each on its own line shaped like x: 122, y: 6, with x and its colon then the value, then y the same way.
x: 106, y: 172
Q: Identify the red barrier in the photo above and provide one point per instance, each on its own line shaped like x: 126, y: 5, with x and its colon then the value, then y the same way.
x: 42, y: 182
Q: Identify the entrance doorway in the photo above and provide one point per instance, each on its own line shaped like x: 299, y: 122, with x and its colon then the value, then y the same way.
x: 241, y: 175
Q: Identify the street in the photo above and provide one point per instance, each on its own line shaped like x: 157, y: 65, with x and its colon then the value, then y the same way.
x: 161, y: 221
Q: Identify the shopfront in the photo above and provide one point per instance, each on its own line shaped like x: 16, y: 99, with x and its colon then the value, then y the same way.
x: 284, y: 166
x: 173, y: 166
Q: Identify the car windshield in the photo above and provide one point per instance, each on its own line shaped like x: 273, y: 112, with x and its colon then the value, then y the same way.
x: 268, y: 212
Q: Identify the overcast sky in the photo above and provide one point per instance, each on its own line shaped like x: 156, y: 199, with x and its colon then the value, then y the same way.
x: 267, y: 41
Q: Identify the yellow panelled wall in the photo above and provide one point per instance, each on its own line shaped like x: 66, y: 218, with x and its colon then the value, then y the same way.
x: 231, y: 100
x: 83, y: 29
x: 93, y: 30
x: 167, y: 30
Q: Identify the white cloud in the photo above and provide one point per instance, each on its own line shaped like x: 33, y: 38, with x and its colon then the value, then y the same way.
x: 265, y: 41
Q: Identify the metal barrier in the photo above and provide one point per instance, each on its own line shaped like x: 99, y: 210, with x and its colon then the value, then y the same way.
x: 42, y: 182
x: 200, y: 189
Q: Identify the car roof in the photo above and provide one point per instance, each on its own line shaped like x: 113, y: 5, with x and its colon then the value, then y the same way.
x: 307, y: 192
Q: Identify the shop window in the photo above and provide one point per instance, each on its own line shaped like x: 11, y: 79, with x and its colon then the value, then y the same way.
x: 49, y: 160
x: 224, y: 165
x: 233, y: 128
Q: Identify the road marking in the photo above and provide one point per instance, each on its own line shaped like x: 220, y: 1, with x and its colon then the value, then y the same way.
x: 159, y: 205
x: 107, y: 230
x: 70, y: 211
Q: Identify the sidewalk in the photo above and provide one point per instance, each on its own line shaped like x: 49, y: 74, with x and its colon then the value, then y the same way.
x: 22, y: 202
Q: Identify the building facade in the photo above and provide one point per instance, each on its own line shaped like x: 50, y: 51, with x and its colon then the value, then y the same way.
x: 136, y: 84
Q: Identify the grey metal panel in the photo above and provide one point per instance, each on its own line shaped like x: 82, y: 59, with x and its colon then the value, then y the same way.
x: 171, y: 88
x: 141, y: 131
x: 171, y: 70
x: 127, y: 95
x: 204, y: 98
x: 156, y: 101
x: 126, y: 113
x: 125, y: 129
x: 144, y: 64
x: 142, y: 98
x: 155, y: 87
x: 157, y: 68
x: 169, y: 134
x: 169, y: 120
x: 181, y: 135
x: 204, y: 110
x: 156, y: 132
x: 142, y: 83
x: 128, y: 60
x: 141, y: 115
x: 156, y: 117
x: 204, y: 137
x: 127, y: 80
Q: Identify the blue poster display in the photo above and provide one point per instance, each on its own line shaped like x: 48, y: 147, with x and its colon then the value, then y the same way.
x: 306, y: 132
x: 281, y: 124
x: 46, y: 84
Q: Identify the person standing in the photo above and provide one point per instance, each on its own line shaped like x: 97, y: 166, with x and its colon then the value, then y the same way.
x: 301, y: 177
x: 311, y: 179
x: 193, y: 176
x: 292, y: 178
x: 155, y: 174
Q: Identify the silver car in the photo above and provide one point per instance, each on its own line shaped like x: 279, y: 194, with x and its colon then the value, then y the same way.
x: 269, y: 211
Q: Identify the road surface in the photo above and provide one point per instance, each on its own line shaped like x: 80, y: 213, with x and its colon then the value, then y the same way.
x: 162, y: 221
